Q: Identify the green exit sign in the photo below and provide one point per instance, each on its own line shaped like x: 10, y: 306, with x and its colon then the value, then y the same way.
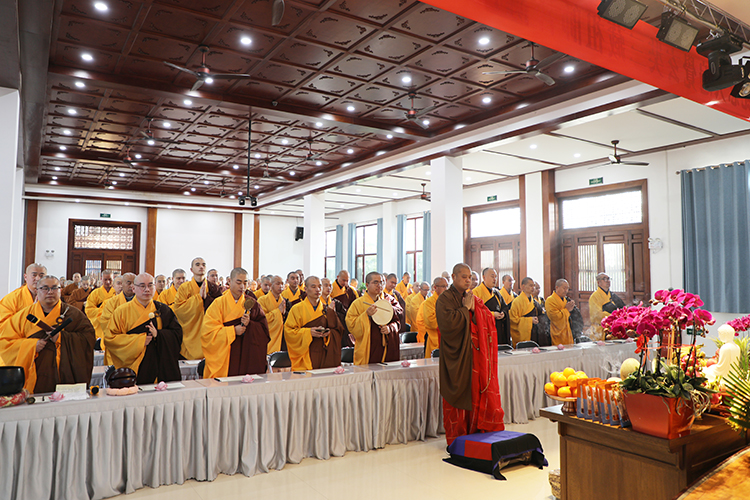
x: 492, y: 198
x: 594, y: 182
x: 105, y: 216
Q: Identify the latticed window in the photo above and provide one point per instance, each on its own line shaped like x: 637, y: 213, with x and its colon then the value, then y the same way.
x: 603, y: 210
x: 330, y: 257
x: 502, y: 222
x: 366, y: 251
x: 103, y: 237
x: 413, y: 241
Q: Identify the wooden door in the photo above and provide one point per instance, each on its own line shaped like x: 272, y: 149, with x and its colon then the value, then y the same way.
x: 502, y: 253
x: 94, y: 246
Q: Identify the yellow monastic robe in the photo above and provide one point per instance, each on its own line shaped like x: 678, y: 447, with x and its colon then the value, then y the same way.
x: 596, y: 314
x: 16, y: 349
x: 216, y: 338
x: 412, y: 308
x: 128, y: 350
x: 107, y: 310
x: 94, y: 306
x: 404, y: 289
x: 168, y: 296
x: 358, y: 323
x: 507, y: 296
x: 270, y: 306
x: 259, y: 293
x: 291, y: 297
x: 14, y: 302
x: 428, y: 319
x: 559, y: 324
x: 188, y: 307
x: 326, y: 301
x: 298, y: 338
x: 520, y: 326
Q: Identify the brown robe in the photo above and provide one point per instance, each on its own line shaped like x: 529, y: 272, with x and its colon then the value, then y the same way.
x: 402, y: 316
x: 322, y: 355
x: 78, y: 298
x: 248, y: 352
x: 392, y: 339
x: 341, y: 306
x: 454, y: 322
x: 76, y: 352
x: 67, y: 291
x: 161, y: 361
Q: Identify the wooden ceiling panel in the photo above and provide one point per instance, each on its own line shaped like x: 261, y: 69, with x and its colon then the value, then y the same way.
x: 333, y: 84
x: 68, y: 54
x: 306, y: 54
x: 119, y: 13
x: 341, y: 107
x: 75, y: 98
x: 178, y: 23
x: 432, y: 24
x: 518, y: 54
x: 77, y: 30
x: 129, y: 107
x: 482, y: 40
x: 380, y: 12
x: 134, y: 95
x: 391, y: 46
x: 442, y: 61
x: 282, y: 74
x: 152, y: 68
x: 308, y: 98
x: 271, y: 91
x: 522, y: 85
x: 450, y: 90
x: 395, y: 78
x: 163, y: 48
x: 497, y: 98
x: 364, y: 68
x: 222, y: 121
x: 336, y: 30
x: 214, y: 8
x: 258, y: 13
x: 261, y: 42
x: 376, y: 94
x: 177, y: 114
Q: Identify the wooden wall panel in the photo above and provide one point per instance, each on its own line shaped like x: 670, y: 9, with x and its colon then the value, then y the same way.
x: 522, y: 250
x: 32, y: 208
x: 550, y: 233
x: 151, y: 241
x: 256, y: 246
x: 238, y: 240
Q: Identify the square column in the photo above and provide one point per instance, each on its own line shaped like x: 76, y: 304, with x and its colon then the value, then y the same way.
x: 11, y: 192
x: 446, y: 206
x: 534, y: 229
x: 315, y: 236
x: 389, y: 240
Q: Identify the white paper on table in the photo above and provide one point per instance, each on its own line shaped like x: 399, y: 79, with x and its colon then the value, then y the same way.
x: 72, y: 392
x: 190, y: 362
x: 237, y: 378
x: 412, y: 362
x: 322, y: 371
x: 152, y: 387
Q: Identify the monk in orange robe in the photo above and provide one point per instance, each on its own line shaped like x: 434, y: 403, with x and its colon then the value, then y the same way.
x: 468, y: 361
x: 274, y: 307
x: 23, y: 296
x: 191, y: 302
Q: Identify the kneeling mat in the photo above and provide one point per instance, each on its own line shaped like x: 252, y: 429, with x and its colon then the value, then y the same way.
x: 489, y: 452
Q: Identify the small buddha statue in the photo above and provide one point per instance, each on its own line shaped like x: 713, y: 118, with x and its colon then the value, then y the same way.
x: 728, y: 355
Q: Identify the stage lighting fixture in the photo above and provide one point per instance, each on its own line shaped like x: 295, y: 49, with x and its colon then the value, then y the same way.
x: 253, y: 201
x: 742, y: 89
x: 721, y: 73
x: 676, y: 32
x: 242, y: 201
x: 623, y: 12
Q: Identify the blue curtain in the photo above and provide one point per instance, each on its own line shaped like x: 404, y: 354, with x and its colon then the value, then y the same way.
x: 339, y: 248
x: 716, y: 235
x: 427, y: 248
x: 380, y: 245
x: 350, y: 245
x: 401, y: 253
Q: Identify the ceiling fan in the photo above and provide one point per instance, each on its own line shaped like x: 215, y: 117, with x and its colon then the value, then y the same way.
x: 414, y: 115
x: 128, y: 161
x: 425, y: 195
x: 533, y: 67
x: 616, y: 159
x: 277, y: 12
x: 148, y: 135
x: 203, y: 74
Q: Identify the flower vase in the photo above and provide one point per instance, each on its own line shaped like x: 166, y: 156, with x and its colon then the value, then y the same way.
x: 662, y: 417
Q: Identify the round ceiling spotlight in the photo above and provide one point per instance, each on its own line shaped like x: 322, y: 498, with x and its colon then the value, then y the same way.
x: 80, y: 85
x: 72, y: 111
x: 87, y: 57
x: 192, y: 189
x: 101, y: 6
x: 292, y: 173
x: 122, y: 174
x: 63, y: 148
x: 406, y: 79
x: 236, y: 167
x: 350, y: 151
x: 318, y: 124
x: 486, y: 99
x: 425, y: 122
x: 350, y: 108
x: 150, y: 142
x: 569, y: 69
x: 389, y: 136
x: 167, y: 125
x: 138, y: 156
x: 246, y: 40
x: 318, y: 163
x: 256, y: 187
x: 484, y: 40
x: 67, y: 132
x: 187, y: 102
x: 209, y: 80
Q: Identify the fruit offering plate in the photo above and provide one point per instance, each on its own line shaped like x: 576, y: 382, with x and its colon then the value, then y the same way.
x: 569, y: 404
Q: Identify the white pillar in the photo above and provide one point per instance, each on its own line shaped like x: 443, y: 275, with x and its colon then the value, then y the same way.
x: 11, y: 192
x: 315, y: 242
x: 389, y: 240
x: 446, y: 192
x: 534, y: 229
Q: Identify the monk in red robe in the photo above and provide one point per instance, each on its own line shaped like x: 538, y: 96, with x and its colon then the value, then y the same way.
x: 468, y: 360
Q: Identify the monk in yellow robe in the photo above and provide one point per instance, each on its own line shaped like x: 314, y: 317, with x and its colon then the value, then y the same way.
x: 293, y: 293
x: 72, y: 287
x: 169, y: 295
x: 373, y: 343
x: 427, y: 318
x: 597, y: 301
x: 145, y: 336
x: 326, y: 287
x: 344, y: 296
x: 558, y: 307
x: 506, y: 291
x: 403, y: 287
x: 390, y: 289
x: 274, y: 307
x: 265, y: 286
x: 301, y: 277
x: 413, y: 302
x: 523, y: 313
x: 313, y: 331
x: 124, y: 285
x: 49, y: 358
x: 161, y: 284
x: 78, y: 297
x: 96, y: 298
x: 235, y: 333
x: 193, y: 298
x: 493, y: 299
x: 24, y: 296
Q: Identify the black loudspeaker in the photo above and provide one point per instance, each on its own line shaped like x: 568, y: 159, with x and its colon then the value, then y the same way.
x: 299, y: 233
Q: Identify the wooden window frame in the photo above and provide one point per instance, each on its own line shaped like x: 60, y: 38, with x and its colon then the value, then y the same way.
x: 327, y: 255
x: 364, y: 256
x: 136, y: 251
x: 414, y: 252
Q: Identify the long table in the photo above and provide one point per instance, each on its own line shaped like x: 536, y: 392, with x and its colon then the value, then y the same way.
x: 107, y: 445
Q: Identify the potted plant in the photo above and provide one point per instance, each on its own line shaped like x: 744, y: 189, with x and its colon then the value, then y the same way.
x: 660, y: 397
x: 736, y: 383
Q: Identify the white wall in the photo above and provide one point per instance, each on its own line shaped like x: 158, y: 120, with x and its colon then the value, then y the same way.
x: 11, y: 192
x: 52, y: 229
x: 182, y: 235
x: 248, y: 242
x: 279, y: 253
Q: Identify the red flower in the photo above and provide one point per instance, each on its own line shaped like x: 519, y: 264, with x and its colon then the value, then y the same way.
x: 642, y: 342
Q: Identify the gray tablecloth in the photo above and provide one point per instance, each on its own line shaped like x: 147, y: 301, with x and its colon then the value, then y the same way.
x: 188, y: 369
x: 286, y: 417
x: 102, y: 446
x: 412, y: 351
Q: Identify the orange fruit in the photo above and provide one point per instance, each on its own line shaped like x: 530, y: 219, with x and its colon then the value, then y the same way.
x: 573, y: 380
x: 575, y: 392
x: 564, y: 392
x: 560, y: 380
x: 553, y: 376
x: 581, y: 374
x: 568, y: 371
x: 550, y: 389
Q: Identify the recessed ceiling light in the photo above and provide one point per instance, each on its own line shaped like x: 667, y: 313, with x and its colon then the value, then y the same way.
x: 350, y: 108
x: 257, y: 155
x: 484, y: 41
x: 318, y: 174
x: 425, y: 122
x: 468, y: 178
x: 318, y: 124
x: 358, y: 190
x: 395, y: 194
x: 80, y: 85
x: 57, y: 169
x: 350, y: 151
x: 109, y: 187
x: 292, y: 173
x: 533, y: 146
x: 187, y: 102
x: 712, y: 103
x: 231, y: 196
x: 150, y: 142
x: 206, y: 182
x: 169, y: 207
x: 235, y: 167
x: 577, y: 155
x: 211, y: 209
x: 569, y: 69
x: 256, y: 187
x: 346, y: 164
x: 78, y: 201
x: 428, y: 173
x: 284, y: 142
x: 127, y: 203
x: 239, y: 193
x: 67, y: 132
x: 522, y: 105
x: 389, y: 136
x: 138, y: 156
x: 101, y: 6
x: 53, y: 182
x: 487, y: 99
x: 114, y: 183
x: 406, y: 79
x: 87, y: 57
x: 209, y: 80
x: 186, y: 193
x: 122, y: 174
x: 341, y: 205
x: 380, y: 153
x: 72, y: 111
x: 54, y: 177
x: 63, y: 148
x: 192, y: 189
x: 246, y: 40
x: 318, y: 163
x: 167, y: 124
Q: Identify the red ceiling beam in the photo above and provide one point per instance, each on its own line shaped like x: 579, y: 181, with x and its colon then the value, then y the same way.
x: 573, y: 27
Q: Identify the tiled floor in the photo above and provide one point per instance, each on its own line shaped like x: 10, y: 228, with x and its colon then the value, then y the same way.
x: 414, y: 471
